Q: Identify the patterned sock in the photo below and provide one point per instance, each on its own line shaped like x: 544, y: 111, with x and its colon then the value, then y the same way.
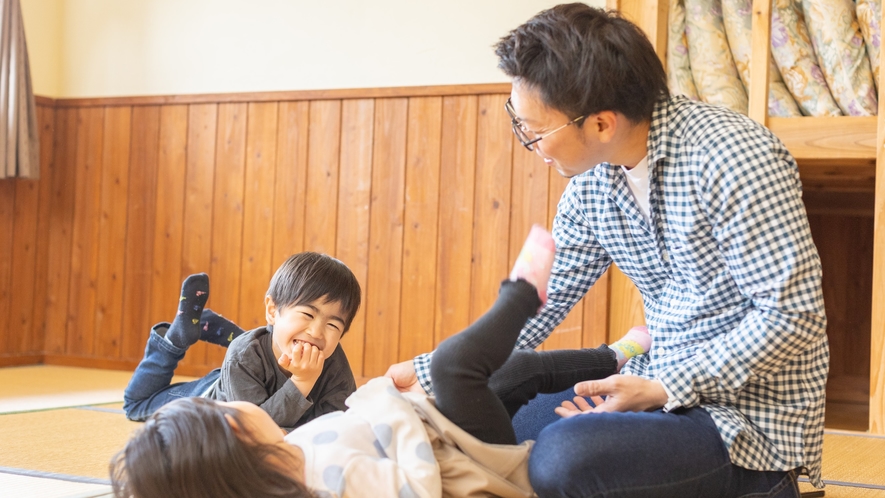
x: 535, y: 261
x: 217, y: 329
x: 185, y: 329
x: 634, y: 343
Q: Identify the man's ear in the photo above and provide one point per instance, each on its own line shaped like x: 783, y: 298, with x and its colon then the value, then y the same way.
x: 606, y: 123
x: 270, y: 310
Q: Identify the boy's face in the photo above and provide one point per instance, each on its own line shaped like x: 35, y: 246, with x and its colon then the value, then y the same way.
x: 319, y: 323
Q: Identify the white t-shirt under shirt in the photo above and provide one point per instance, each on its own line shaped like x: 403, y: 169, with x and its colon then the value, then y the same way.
x: 637, y: 179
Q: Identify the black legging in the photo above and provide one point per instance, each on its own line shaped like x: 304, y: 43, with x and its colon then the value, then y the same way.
x: 480, y: 381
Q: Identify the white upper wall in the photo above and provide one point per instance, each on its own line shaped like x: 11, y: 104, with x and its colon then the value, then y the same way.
x: 43, y: 27
x: 106, y: 48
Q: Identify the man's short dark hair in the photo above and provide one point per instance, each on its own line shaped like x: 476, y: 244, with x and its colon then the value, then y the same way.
x: 308, y: 276
x: 584, y: 60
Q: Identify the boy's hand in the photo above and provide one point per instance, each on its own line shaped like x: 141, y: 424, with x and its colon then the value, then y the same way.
x: 305, y: 363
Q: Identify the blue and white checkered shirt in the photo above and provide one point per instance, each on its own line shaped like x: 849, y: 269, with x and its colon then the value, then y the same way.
x: 728, y: 273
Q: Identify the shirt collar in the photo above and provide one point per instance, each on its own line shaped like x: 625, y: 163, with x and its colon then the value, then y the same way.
x: 657, y: 145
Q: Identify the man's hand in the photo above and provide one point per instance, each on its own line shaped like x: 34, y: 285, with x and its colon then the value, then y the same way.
x: 404, y: 377
x: 305, y: 363
x: 623, y: 393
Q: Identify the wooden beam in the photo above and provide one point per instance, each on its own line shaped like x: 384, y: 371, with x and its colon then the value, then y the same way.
x: 650, y: 16
x: 831, y: 138
x: 877, y: 326
x: 288, y: 96
x: 759, y: 61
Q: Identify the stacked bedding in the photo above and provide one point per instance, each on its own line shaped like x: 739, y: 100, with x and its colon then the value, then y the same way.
x: 824, y: 55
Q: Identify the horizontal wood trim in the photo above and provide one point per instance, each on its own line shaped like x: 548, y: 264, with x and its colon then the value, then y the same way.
x: 41, y: 100
x: 112, y: 364
x: 285, y: 96
x: 90, y: 362
x: 18, y: 360
x: 838, y: 138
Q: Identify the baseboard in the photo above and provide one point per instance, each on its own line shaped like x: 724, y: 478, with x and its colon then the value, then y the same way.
x: 20, y: 360
x: 88, y: 362
x: 128, y: 365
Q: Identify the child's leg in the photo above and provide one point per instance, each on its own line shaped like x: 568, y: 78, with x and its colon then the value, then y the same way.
x: 462, y: 364
x: 528, y: 373
x: 149, y: 387
x: 217, y: 329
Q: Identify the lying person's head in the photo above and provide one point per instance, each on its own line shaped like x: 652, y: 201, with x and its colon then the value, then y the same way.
x: 312, y: 299
x: 194, y: 447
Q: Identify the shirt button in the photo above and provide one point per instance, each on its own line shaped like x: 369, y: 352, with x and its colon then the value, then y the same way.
x: 659, y: 351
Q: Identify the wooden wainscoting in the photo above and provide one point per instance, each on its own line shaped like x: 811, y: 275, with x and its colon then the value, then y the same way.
x: 423, y: 192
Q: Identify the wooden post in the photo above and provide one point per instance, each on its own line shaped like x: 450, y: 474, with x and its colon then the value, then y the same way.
x: 877, y: 329
x: 650, y: 16
x: 759, y: 61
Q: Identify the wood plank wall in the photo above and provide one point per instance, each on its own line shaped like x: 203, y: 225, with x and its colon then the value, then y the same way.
x: 424, y: 193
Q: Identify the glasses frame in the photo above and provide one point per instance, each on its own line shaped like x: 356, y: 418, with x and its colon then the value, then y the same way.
x: 520, y: 132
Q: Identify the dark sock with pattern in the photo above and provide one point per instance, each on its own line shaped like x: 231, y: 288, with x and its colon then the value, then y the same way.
x: 217, y: 329
x: 185, y: 329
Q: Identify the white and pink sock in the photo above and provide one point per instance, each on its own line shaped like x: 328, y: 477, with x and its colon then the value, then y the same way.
x: 635, y: 342
x: 535, y: 261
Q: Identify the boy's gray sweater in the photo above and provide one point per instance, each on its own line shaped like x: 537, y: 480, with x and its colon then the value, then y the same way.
x: 250, y: 373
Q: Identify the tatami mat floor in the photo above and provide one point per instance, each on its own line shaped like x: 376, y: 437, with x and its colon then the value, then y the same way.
x: 60, y: 426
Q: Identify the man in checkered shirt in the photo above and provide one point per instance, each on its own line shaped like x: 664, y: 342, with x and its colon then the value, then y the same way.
x: 701, y: 208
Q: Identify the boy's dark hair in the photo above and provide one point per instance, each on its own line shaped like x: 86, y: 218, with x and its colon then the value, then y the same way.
x: 583, y: 60
x: 308, y: 276
x: 188, y: 448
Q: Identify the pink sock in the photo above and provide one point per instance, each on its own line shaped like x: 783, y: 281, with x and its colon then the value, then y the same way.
x: 635, y: 342
x: 535, y: 261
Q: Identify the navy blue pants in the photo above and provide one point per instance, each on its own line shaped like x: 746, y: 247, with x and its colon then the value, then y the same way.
x: 648, y: 454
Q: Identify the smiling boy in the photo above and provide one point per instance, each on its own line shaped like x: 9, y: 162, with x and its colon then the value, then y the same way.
x: 293, y: 368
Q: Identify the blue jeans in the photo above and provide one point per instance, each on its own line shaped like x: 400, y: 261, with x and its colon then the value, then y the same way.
x: 150, y: 387
x: 648, y: 454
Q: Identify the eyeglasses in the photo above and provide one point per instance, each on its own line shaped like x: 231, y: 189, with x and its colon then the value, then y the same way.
x: 522, y: 133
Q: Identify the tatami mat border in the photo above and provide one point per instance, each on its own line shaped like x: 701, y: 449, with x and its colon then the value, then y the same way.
x: 837, y: 432
x: 847, y: 484
x: 53, y: 475
x: 854, y: 484
x: 99, y: 409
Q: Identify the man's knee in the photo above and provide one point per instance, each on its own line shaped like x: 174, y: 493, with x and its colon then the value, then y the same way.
x: 561, y: 459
